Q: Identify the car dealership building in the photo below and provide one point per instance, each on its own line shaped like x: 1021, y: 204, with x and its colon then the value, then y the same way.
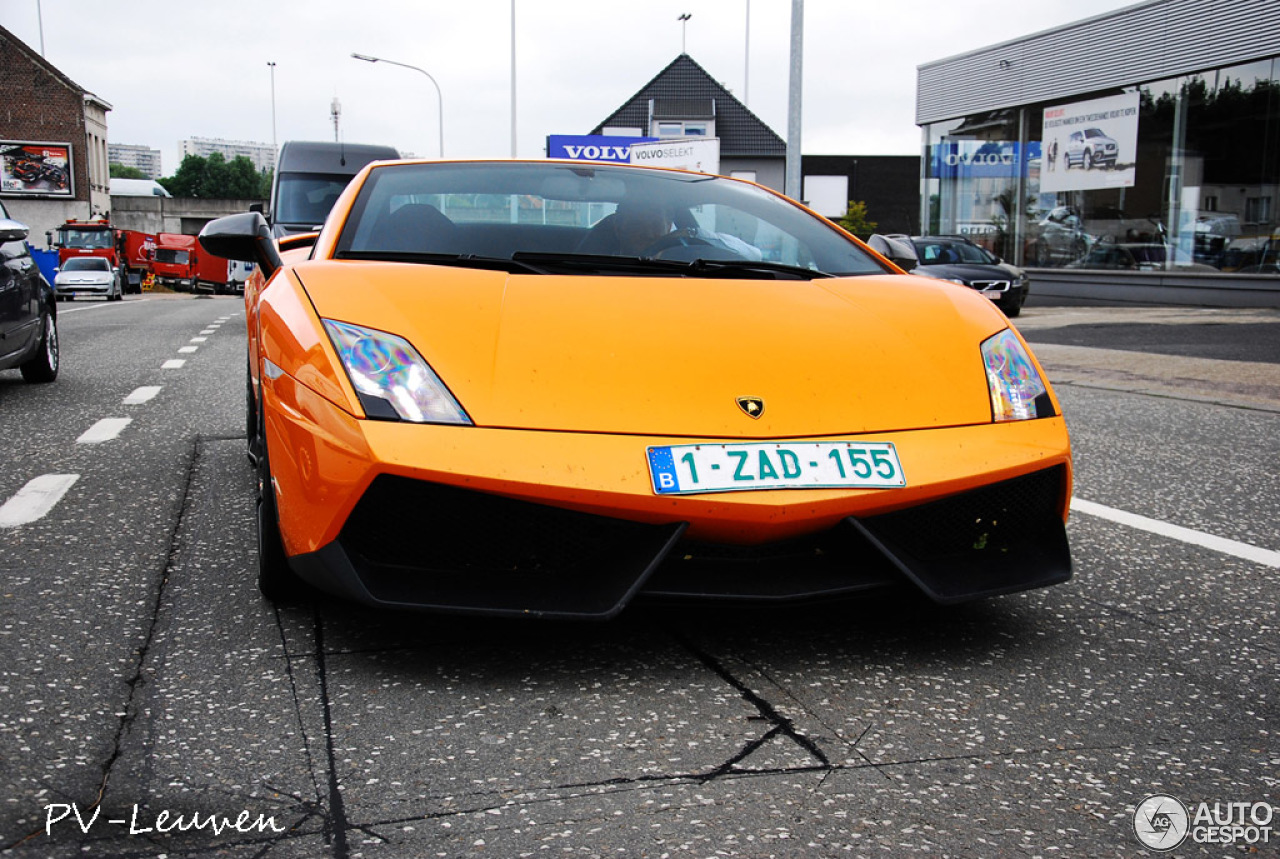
x: 1133, y: 156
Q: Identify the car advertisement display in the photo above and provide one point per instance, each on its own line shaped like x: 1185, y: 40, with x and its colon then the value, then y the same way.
x: 1091, y: 144
x: 35, y: 168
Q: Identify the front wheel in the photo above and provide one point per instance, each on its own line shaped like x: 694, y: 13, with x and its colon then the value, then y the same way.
x: 276, y: 581
x: 44, y: 366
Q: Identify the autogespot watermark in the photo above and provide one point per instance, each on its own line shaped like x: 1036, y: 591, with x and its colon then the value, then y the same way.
x: 163, y: 822
x: 1163, y: 822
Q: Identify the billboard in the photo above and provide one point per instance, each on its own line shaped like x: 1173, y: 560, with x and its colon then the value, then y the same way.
x: 1087, y: 145
x: 699, y: 154
x: 592, y: 147
x: 42, y: 169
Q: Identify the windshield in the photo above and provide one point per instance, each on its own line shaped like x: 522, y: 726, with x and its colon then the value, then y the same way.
x: 306, y: 198
x: 86, y: 264
x: 171, y: 255
x: 557, y: 213
x: 952, y: 253
x: 87, y: 239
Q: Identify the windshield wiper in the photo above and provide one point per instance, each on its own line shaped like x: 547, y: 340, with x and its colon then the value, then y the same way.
x: 676, y: 268
x: 716, y: 265
x: 511, y: 265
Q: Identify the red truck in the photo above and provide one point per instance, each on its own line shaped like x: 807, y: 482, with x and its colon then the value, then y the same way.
x: 130, y: 251
x: 173, y: 261
x: 180, y: 263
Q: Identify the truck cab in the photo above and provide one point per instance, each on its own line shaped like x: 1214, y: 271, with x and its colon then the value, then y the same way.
x: 309, y: 178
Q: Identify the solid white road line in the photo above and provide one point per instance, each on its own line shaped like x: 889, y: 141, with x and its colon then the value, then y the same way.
x: 173, y: 364
x: 1186, y: 535
x: 104, y: 430
x: 35, y: 499
x: 141, y: 395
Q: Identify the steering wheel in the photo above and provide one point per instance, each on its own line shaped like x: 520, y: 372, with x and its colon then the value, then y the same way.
x: 678, y: 238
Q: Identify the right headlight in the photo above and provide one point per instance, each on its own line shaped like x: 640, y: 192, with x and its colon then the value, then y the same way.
x: 391, y: 378
x: 1017, y: 391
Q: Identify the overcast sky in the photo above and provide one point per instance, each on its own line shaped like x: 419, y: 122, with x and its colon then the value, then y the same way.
x: 173, y: 69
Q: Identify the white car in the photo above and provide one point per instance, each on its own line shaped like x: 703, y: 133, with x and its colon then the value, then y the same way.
x: 87, y: 276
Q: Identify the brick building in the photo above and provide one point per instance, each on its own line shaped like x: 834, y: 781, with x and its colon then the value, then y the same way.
x: 53, y: 142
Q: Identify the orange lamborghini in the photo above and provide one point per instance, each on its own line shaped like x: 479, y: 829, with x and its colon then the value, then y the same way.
x: 548, y: 388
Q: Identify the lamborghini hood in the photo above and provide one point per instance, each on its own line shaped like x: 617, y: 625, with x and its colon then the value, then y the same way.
x: 673, y: 356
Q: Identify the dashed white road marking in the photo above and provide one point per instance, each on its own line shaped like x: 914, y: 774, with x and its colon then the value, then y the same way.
x: 173, y: 364
x: 35, y: 499
x: 104, y: 430
x: 199, y: 339
x: 188, y: 349
x: 141, y: 395
x: 1176, y: 532
x: 208, y: 331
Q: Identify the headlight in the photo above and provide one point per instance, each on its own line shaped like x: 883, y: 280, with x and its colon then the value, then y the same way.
x: 1017, y: 392
x: 391, y: 378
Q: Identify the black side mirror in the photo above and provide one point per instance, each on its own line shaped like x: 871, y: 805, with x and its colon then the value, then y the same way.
x: 245, y: 237
x: 897, y: 251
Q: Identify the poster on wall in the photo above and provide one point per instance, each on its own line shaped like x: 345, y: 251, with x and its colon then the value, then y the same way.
x: 35, y: 168
x: 1091, y: 144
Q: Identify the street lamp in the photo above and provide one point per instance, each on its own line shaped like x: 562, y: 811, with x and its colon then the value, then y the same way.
x: 273, y: 113
x: 439, y: 94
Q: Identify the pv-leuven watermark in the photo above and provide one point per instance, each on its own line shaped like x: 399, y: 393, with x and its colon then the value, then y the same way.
x: 161, y: 822
x: 1163, y: 822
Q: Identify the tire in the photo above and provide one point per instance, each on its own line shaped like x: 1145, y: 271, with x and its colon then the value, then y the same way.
x: 1086, y: 160
x: 276, y: 581
x: 254, y: 441
x: 44, y: 366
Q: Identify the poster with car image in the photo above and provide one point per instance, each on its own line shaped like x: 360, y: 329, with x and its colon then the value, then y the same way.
x: 1089, y: 145
x: 35, y: 168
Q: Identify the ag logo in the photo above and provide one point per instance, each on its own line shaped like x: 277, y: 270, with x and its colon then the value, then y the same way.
x: 1161, y: 822
x: 752, y: 407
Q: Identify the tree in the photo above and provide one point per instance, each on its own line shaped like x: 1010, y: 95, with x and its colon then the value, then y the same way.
x: 855, y: 220
x: 215, y: 177
x: 119, y: 171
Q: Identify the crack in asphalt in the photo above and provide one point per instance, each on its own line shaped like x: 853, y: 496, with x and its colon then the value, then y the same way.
x: 336, y: 824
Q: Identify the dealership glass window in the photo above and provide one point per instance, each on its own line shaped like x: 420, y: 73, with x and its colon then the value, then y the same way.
x: 972, y: 178
x: 1200, y: 198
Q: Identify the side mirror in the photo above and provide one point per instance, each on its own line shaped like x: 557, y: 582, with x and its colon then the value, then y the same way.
x: 245, y: 237
x: 12, y: 231
x: 257, y: 207
x: 897, y: 251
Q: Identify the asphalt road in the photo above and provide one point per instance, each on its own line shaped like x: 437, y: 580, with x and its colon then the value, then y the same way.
x: 142, y: 680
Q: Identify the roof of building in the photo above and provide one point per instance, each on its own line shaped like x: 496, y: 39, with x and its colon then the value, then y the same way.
x: 685, y: 86
x: 34, y: 57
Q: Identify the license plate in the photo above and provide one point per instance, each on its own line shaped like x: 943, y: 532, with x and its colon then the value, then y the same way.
x: 689, y: 468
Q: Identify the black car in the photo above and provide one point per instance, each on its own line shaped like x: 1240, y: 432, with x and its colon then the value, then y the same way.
x: 28, y: 315
x: 959, y: 260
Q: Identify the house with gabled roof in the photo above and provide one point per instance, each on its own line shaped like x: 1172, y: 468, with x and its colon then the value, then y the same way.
x: 53, y: 142
x: 683, y: 100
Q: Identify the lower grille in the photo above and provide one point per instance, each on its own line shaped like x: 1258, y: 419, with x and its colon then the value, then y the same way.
x: 1000, y: 538
x: 415, y: 544
x: 436, y: 546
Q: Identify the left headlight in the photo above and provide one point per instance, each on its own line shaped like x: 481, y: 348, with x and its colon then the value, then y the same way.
x: 1017, y: 391
x: 391, y: 378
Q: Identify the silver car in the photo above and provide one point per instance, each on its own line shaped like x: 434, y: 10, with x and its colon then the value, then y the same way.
x: 87, y: 276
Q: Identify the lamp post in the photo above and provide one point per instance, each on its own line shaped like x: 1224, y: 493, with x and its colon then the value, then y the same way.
x: 439, y: 94
x: 273, y: 113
